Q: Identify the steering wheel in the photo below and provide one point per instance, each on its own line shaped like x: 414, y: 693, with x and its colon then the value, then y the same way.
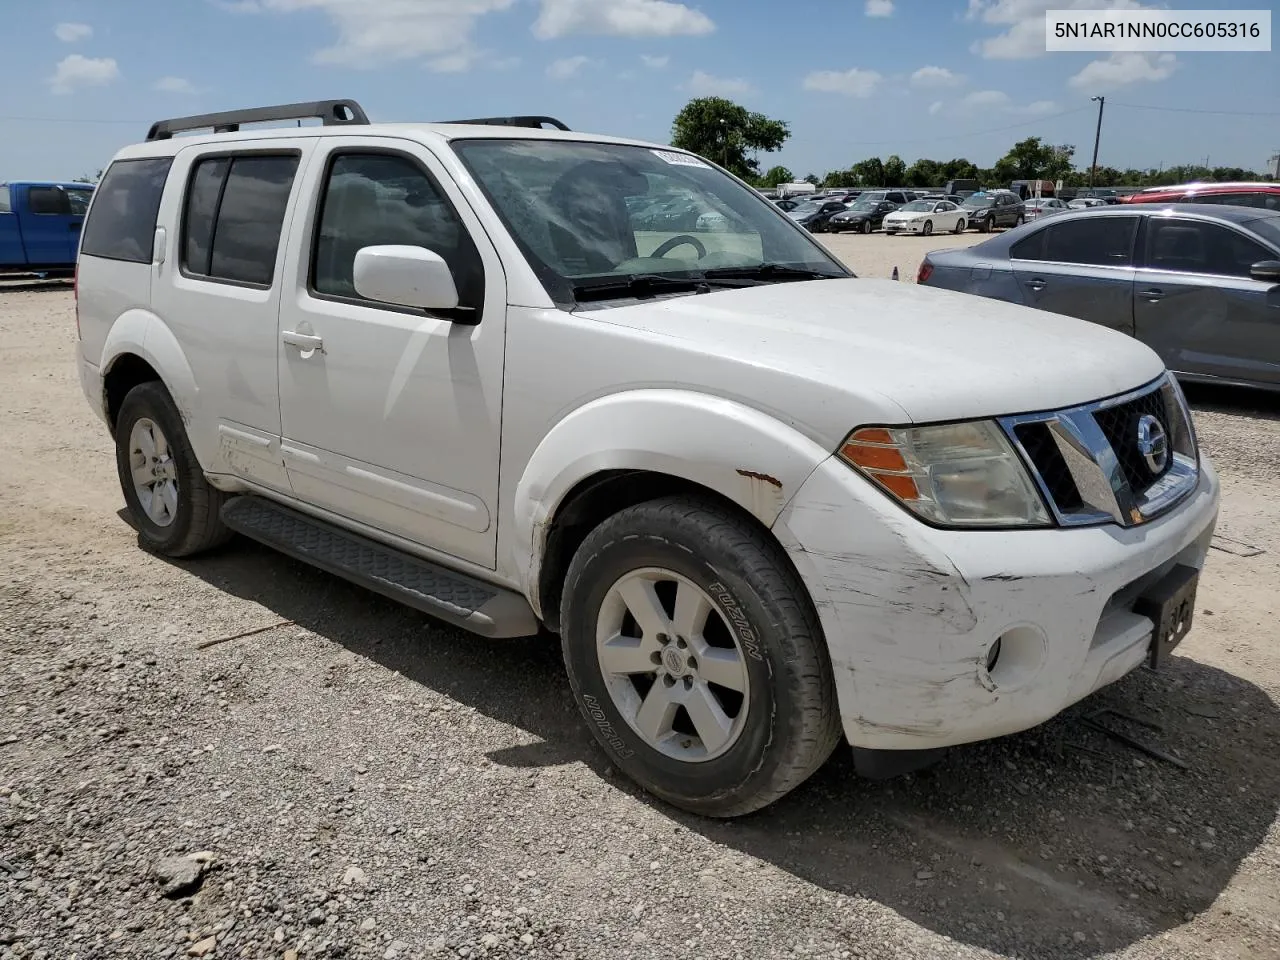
x: 674, y: 242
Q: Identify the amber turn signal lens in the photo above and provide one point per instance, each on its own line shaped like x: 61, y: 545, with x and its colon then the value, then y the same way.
x: 870, y: 457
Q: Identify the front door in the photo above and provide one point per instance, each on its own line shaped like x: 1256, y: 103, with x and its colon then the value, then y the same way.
x: 1196, y: 305
x: 390, y: 415
x: 1081, y: 268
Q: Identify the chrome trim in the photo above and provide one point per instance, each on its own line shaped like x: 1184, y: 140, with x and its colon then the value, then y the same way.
x: 1095, y: 468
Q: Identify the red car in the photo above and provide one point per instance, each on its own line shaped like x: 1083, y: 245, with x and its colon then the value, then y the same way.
x: 1264, y: 195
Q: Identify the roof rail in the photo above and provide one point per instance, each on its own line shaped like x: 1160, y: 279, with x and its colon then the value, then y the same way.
x: 513, y: 122
x: 329, y: 112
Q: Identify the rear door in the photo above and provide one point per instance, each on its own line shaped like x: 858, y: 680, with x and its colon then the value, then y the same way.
x: 1081, y: 267
x: 218, y: 291
x: 1196, y: 305
x: 50, y: 231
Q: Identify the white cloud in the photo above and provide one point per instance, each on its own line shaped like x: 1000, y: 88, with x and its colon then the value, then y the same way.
x: 935, y: 107
x: 174, y: 85
x: 373, y: 34
x: 77, y: 71
x: 72, y: 32
x: 623, y: 18
x: 1120, y: 69
x: 705, y: 85
x: 935, y: 77
x: 986, y: 98
x: 1037, y: 108
x: 654, y: 63
x: 566, y: 68
x: 879, y: 8
x: 1024, y: 20
x: 851, y: 83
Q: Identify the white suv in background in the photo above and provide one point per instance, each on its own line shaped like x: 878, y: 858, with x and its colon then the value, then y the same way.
x: 765, y: 504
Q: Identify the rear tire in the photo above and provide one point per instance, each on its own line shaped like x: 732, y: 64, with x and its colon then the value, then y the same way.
x: 681, y: 562
x: 172, y: 505
x: 960, y: 225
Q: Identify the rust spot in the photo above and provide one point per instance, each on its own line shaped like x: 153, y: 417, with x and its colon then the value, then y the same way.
x: 752, y: 475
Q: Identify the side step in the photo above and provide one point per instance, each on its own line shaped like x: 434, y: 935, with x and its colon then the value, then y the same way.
x: 471, y: 604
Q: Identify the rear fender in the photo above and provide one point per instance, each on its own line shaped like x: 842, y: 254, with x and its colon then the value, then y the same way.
x: 741, y: 453
x: 143, y: 334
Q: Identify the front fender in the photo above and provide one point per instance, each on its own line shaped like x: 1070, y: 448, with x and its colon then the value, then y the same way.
x: 145, y: 335
x: 749, y: 457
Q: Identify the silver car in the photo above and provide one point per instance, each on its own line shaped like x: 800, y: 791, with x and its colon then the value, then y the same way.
x: 1198, y: 284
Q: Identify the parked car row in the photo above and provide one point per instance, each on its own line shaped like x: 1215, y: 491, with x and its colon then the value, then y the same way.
x: 1197, y: 283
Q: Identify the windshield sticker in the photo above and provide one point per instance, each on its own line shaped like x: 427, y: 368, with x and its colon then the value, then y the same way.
x: 678, y: 159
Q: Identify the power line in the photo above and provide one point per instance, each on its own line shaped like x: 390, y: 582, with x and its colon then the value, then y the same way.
x: 1221, y: 113
x: 72, y: 120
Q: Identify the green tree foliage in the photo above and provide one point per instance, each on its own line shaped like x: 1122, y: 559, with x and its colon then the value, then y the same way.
x: 869, y: 173
x: 924, y: 173
x: 1033, y: 159
x: 895, y: 172
x: 775, y: 176
x: 726, y: 133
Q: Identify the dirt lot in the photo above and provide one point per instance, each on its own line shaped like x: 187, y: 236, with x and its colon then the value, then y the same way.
x: 368, y: 783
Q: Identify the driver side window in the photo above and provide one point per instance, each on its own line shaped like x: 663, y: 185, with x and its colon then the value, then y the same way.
x: 371, y: 199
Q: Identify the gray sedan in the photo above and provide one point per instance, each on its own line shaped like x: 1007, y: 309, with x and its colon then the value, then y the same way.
x: 1200, y: 285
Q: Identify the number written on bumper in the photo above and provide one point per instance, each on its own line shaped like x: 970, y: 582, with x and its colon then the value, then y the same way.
x: 1169, y: 604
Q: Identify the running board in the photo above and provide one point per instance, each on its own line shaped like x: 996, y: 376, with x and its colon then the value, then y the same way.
x: 471, y: 604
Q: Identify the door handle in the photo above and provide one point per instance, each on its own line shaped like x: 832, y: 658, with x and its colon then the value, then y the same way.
x: 1153, y: 294
x: 304, y: 342
x: 1035, y: 283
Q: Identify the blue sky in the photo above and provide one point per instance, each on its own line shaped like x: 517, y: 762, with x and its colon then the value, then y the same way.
x: 855, y: 78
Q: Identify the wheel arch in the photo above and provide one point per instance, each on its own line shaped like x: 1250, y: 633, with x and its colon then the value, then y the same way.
x: 628, y: 448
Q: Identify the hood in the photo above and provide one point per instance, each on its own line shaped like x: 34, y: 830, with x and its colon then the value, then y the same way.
x: 896, y: 350
x: 852, y: 214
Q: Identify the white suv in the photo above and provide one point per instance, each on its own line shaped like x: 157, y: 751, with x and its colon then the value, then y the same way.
x: 765, y: 504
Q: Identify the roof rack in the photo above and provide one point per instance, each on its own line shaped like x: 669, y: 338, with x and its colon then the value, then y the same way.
x: 513, y: 122
x: 328, y: 112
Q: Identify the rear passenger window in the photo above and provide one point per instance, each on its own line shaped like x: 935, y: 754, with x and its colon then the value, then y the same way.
x: 375, y: 199
x: 1030, y: 247
x: 234, y: 215
x: 122, y: 218
x: 1093, y: 241
x: 51, y: 201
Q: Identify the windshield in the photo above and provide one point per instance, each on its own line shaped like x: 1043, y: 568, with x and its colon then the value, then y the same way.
x: 807, y: 208
x: 603, y: 212
x: 872, y: 197
x: 864, y: 205
x: 918, y: 206
x: 976, y: 202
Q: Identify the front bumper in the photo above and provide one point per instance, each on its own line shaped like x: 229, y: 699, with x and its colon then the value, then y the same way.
x: 911, y: 612
x: 899, y: 226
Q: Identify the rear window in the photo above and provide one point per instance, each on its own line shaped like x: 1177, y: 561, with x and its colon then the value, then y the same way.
x: 122, y: 219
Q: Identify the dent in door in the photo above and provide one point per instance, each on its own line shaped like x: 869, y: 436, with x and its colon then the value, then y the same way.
x: 252, y: 454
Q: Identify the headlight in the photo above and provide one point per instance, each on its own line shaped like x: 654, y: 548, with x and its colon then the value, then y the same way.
x: 952, y: 475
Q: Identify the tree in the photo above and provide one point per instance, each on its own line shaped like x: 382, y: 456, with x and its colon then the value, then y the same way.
x: 869, y: 173
x: 813, y: 178
x: 960, y: 169
x: 924, y: 173
x: 895, y: 171
x: 724, y: 133
x: 94, y: 179
x: 775, y: 176
x: 1033, y: 159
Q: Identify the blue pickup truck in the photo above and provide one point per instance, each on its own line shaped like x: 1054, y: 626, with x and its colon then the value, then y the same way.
x: 40, y: 225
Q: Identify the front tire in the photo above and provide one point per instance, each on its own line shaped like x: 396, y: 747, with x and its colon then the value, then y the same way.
x: 697, y: 658
x: 866, y: 226
x: 927, y: 229
x: 985, y: 225
x: 172, y: 505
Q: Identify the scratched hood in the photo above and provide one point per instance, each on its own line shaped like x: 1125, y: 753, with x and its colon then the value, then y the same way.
x: 934, y: 354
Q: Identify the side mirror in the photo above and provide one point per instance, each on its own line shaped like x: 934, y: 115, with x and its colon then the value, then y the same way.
x: 404, y: 275
x: 1266, y: 270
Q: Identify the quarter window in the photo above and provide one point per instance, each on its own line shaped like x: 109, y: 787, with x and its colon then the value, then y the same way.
x: 375, y: 199
x: 122, y: 219
x: 234, y: 214
x: 1194, y: 246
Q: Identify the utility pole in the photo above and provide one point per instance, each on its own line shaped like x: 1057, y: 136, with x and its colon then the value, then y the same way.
x: 1275, y: 158
x: 1097, y: 137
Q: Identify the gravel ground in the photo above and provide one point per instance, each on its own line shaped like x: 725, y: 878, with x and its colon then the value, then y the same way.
x: 356, y: 780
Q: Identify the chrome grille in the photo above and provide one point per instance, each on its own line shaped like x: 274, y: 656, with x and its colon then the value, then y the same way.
x: 1090, y: 466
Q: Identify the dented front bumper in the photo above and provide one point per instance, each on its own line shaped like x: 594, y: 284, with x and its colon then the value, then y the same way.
x: 911, y: 612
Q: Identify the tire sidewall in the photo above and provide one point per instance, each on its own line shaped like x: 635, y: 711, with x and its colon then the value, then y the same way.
x: 151, y: 401
x: 756, y: 750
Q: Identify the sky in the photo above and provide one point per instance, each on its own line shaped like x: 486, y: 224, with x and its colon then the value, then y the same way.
x: 853, y: 78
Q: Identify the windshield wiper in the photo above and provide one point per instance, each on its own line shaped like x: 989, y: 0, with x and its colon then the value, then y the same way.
x: 768, y: 271
x: 638, y: 285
